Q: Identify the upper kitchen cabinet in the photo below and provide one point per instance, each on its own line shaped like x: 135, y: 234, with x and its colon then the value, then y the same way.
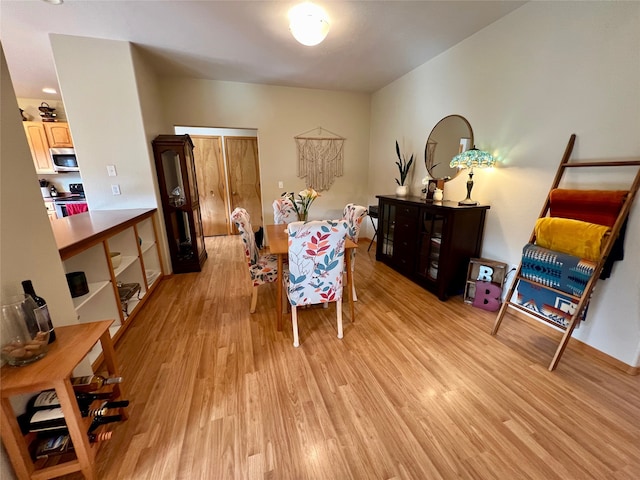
x: 180, y: 201
x: 58, y: 134
x: 41, y: 136
x: 39, y: 146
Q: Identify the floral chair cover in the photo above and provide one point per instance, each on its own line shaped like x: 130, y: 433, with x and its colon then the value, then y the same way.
x: 316, y: 264
x: 354, y: 215
x: 283, y: 211
x: 262, y: 268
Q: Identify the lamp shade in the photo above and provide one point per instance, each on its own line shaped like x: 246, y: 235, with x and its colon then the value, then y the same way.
x: 308, y: 23
x: 472, y: 158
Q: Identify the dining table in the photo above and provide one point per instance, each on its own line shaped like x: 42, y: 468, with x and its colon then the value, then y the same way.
x: 278, y: 239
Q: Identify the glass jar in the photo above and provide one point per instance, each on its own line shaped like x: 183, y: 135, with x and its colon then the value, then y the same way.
x: 24, y: 334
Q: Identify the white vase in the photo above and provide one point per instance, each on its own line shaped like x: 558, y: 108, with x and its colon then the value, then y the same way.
x: 402, y: 190
x: 438, y: 195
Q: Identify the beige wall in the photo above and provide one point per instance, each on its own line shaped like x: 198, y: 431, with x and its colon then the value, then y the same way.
x: 280, y: 113
x: 98, y: 85
x: 526, y: 83
x: 27, y: 248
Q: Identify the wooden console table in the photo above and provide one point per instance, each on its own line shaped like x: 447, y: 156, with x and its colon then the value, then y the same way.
x: 54, y: 371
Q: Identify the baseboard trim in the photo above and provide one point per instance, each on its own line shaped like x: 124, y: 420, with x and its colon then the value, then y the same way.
x: 584, y: 348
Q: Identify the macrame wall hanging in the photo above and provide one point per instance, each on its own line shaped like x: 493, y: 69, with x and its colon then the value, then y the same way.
x: 320, y: 157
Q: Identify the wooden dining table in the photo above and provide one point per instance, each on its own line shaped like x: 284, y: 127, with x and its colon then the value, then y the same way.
x: 278, y: 239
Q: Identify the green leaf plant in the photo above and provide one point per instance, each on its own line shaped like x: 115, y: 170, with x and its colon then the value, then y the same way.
x: 403, y: 166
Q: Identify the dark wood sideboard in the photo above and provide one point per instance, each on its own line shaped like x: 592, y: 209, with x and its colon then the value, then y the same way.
x: 430, y: 242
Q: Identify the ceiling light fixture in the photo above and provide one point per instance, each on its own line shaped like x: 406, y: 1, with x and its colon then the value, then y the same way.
x: 308, y: 23
x: 53, y: 91
x: 54, y: 2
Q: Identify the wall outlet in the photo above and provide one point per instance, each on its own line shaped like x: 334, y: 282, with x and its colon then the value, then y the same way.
x: 115, y: 189
x: 111, y: 171
x: 280, y: 184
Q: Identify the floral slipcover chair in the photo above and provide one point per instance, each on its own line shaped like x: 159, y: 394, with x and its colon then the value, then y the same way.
x: 316, y: 265
x: 283, y: 211
x: 354, y: 215
x: 262, y: 268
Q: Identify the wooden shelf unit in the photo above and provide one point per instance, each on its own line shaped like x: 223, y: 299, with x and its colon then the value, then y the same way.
x: 85, y: 242
x: 73, y: 343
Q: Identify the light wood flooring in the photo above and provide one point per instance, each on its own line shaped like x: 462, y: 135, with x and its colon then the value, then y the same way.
x: 417, y: 389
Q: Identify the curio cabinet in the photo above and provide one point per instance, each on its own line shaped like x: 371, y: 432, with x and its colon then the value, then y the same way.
x: 179, y: 193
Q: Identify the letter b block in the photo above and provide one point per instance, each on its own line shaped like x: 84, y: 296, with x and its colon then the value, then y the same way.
x: 487, y: 296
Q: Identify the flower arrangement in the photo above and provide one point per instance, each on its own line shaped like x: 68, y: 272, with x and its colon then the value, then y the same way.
x: 404, y: 166
x: 303, y: 202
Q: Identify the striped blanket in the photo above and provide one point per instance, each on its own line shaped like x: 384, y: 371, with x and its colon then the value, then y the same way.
x: 554, y: 269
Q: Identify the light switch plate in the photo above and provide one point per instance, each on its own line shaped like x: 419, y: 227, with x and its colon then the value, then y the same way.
x: 115, y: 189
x: 280, y: 184
x: 111, y: 171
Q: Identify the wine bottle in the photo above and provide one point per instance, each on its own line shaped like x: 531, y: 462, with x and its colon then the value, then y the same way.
x: 59, y: 444
x: 49, y: 399
x: 27, y: 286
x: 91, y: 383
x: 53, y: 420
x: 103, y: 420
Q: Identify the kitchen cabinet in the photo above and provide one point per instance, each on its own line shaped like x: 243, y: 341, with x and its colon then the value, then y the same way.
x: 51, y: 209
x: 85, y: 243
x: 430, y: 242
x: 39, y: 146
x: 176, y: 171
x: 41, y: 136
x: 53, y: 372
x: 58, y: 134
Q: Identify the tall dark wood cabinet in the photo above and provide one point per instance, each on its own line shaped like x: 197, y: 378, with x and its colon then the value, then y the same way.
x: 430, y: 242
x: 180, y: 204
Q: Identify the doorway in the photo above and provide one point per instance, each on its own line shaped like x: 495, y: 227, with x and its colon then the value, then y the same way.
x: 228, y: 176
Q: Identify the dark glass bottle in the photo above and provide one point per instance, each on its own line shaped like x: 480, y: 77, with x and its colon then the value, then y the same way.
x: 49, y: 399
x: 58, y: 444
x: 27, y: 286
x: 52, y: 420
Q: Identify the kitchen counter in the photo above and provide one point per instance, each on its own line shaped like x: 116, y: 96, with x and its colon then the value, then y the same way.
x: 78, y: 232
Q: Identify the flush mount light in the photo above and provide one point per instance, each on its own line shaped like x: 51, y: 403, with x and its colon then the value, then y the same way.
x: 49, y: 90
x: 308, y: 23
x: 54, y: 2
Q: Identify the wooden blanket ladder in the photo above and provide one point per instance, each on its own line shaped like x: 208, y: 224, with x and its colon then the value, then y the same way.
x: 583, y: 300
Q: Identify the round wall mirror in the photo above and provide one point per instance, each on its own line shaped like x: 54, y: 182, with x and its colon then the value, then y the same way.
x: 450, y: 136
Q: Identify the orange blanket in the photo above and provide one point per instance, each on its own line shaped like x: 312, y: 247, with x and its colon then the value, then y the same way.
x: 593, y: 206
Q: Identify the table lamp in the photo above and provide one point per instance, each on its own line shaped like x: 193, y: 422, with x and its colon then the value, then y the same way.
x: 470, y: 159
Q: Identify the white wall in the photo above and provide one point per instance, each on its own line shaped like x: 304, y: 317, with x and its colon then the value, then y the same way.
x: 526, y: 83
x: 279, y: 114
x: 98, y: 85
x: 27, y: 248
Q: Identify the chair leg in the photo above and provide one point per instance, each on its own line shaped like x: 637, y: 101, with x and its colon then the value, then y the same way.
x: 254, y: 300
x: 294, y: 323
x: 353, y: 289
x: 339, y: 315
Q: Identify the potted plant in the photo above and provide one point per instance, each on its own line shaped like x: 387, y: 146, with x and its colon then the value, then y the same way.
x: 404, y: 167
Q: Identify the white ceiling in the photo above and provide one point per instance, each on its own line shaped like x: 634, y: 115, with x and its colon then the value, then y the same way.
x: 370, y: 44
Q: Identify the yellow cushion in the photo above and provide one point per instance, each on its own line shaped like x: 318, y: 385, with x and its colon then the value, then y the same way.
x: 574, y: 237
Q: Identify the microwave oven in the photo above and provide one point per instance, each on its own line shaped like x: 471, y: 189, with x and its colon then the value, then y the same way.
x: 64, y: 159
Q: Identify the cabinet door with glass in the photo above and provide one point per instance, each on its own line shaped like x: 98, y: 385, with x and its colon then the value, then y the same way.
x: 180, y: 203
x: 431, y: 228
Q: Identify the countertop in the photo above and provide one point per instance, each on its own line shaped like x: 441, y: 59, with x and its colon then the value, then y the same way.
x: 78, y: 232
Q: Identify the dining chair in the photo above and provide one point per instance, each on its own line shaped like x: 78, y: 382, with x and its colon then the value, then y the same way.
x: 354, y: 215
x: 283, y: 211
x: 262, y: 268
x: 316, y: 265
